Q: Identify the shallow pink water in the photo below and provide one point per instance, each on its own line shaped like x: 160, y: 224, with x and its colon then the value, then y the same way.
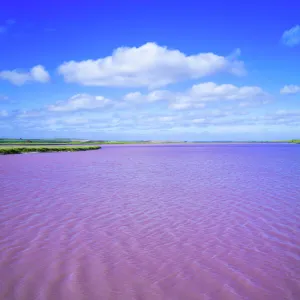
x: 151, y: 222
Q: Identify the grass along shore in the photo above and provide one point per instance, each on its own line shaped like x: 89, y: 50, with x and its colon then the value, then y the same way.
x: 46, y: 142
x: 48, y: 148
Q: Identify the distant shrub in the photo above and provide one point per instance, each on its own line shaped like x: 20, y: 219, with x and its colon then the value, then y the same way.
x: 295, y: 141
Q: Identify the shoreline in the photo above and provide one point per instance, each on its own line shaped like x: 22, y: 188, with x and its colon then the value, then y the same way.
x: 4, y: 142
x: 44, y: 149
x: 195, y: 144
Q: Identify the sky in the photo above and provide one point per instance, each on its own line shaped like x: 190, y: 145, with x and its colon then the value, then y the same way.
x: 150, y: 70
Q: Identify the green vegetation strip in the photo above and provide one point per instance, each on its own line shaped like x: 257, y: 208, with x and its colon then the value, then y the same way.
x: 18, y: 150
x: 295, y: 141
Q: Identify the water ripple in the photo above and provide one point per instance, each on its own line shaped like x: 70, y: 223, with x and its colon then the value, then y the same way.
x: 152, y: 222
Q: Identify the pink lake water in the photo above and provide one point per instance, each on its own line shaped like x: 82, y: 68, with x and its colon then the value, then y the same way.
x: 151, y: 222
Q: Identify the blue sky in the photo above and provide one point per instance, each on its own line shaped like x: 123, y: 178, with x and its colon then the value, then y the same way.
x: 187, y: 70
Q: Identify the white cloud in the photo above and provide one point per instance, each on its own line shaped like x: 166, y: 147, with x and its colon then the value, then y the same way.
x: 291, y: 37
x: 211, y: 92
x: 137, y: 97
x: 199, y: 95
x: 167, y: 118
x: 3, y: 113
x: 180, y: 106
x: 290, y: 89
x: 149, y: 65
x: 199, y: 121
x: 288, y: 113
x: 81, y: 102
x: 37, y: 73
x: 134, y: 97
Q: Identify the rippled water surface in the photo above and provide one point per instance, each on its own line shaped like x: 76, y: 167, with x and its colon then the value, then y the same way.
x: 151, y: 222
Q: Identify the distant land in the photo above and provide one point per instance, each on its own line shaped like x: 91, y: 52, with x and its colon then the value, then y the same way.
x: 18, y: 146
x: 69, y: 141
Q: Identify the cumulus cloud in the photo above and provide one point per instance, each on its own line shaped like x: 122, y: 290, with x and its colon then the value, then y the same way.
x: 290, y: 89
x: 199, y: 95
x: 80, y: 102
x: 148, y: 123
x: 149, y: 65
x: 37, y: 74
x: 285, y: 118
x: 185, y: 105
x: 211, y: 92
x: 138, y: 97
x: 291, y: 37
